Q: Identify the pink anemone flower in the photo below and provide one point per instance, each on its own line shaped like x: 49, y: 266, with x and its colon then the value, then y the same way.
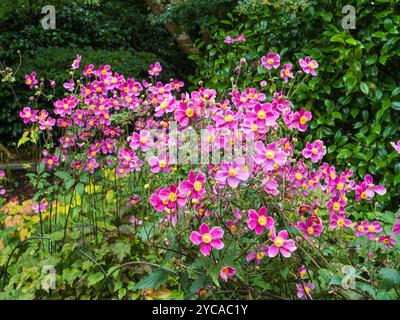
x: 233, y: 174
x: 207, y: 238
x: 259, y: 221
x: 227, y: 271
x: 269, y: 155
x: 280, y: 244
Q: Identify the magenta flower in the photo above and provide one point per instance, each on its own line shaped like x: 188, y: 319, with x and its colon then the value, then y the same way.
x: 30, y: 80
x: 233, y: 174
x: 240, y: 38
x: 159, y: 163
x: 155, y: 69
x: 133, y: 201
x: 302, y: 271
x: 186, y: 113
x: 47, y: 124
x: 76, y: 62
x: 305, y: 290
x: 91, y: 166
x: 2, y: 174
x: 299, y: 120
x: 269, y: 156
x: 261, y: 252
x: 70, y: 85
x: 259, y: 221
x: 387, y: 241
x: 372, y: 188
x: 286, y: 71
x: 194, y: 186
x: 51, y: 161
x: 396, y: 146
x: 142, y: 140
x: 172, y: 197
x: 372, y: 229
x: 308, y: 65
x: 336, y: 206
x: 315, y: 151
x: 88, y: 70
x: 271, y: 60
x: 339, y: 221
x: 396, y: 227
x: 28, y: 114
x: 229, y: 40
x: 311, y: 227
x: 280, y: 244
x: 361, y: 228
x: 208, y: 239
x: 227, y: 271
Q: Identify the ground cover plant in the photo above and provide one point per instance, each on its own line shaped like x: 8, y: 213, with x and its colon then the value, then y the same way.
x: 146, y: 189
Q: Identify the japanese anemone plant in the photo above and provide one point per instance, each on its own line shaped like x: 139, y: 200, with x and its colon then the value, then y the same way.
x: 221, y: 183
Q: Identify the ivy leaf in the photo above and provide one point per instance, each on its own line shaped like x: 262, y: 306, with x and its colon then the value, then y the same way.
x: 390, y: 277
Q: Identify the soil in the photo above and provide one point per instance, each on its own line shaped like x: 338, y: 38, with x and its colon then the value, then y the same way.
x: 19, y: 186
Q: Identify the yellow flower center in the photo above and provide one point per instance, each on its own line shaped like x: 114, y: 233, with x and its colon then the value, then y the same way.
x: 360, y: 228
x: 260, y: 255
x: 262, y: 220
x: 340, y: 186
x: 336, y: 206
x: 254, y: 127
x: 162, y: 163
x: 189, y: 112
x: 261, y: 114
x: 270, y: 61
x: 310, y: 230
x: 311, y: 65
x: 206, y: 238
x: 228, y: 118
x: 28, y: 115
x: 386, y: 241
x: 233, y: 228
x: 314, y: 151
x: 232, y: 172
x: 371, y: 228
x: 270, y: 154
x: 172, y: 197
x: 279, y: 242
x: 303, y: 120
x: 197, y: 186
x: 143, y: 140
x: 363, y: 195
x: 298, y: 176
x: 340, y: 222
x: 50, y: 162
x: 287, y: 72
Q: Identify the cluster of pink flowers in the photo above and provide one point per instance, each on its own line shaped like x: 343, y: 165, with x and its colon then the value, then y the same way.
x: 88, y: 117
x: 238, y: 38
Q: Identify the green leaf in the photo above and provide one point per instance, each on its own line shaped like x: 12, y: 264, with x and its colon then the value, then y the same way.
x: 95, y: 278
x: 154, y: 280
x: 390, y: 277
x: 121, y: 249
x: 364, y: 87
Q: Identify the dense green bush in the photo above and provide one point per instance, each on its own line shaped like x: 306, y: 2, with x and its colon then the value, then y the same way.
x: 356, y: 100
